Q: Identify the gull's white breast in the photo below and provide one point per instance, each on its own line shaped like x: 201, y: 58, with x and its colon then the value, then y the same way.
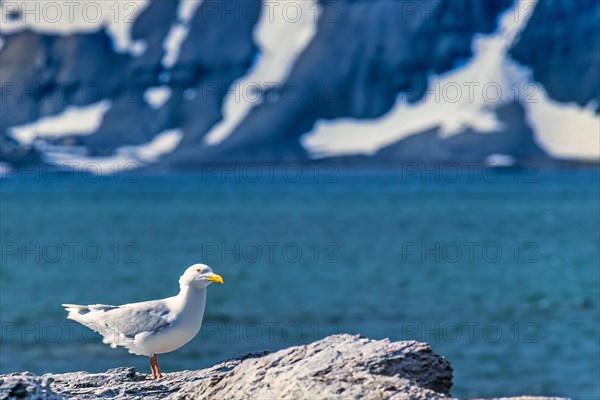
x: 185, y: 315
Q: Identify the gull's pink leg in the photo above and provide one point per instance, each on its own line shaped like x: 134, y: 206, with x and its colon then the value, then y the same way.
x: 158, y: 374
x: 153, y: 366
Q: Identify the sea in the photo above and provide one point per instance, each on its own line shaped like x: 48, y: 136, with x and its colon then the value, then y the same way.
x: 496, y: 268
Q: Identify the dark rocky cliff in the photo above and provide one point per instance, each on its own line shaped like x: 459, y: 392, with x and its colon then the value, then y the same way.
x: 561, y: 44
x: 363, y: 55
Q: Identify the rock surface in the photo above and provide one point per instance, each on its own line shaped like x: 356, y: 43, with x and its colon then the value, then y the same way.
x: 26, y: 386
x: 337, y: 367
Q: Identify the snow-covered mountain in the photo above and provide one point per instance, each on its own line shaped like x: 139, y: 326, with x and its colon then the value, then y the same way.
x: 179, y: 83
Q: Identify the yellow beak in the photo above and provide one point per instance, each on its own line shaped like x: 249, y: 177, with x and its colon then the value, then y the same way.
x: 215, y: 278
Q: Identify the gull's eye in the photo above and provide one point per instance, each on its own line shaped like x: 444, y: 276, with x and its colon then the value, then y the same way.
x: 198, y: 270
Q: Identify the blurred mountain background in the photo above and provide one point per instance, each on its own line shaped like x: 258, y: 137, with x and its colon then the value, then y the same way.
x: 173, y: 84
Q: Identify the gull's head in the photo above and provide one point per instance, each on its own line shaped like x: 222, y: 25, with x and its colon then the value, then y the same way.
x: 199, y: 275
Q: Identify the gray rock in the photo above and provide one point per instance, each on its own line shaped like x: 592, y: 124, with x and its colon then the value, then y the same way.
x: 339, y: 366
x: 345, y: 366
x: 26, y: 385
x: 342, y: 365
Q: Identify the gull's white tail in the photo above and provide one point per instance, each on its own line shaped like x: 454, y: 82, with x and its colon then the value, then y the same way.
x: 88, y: 316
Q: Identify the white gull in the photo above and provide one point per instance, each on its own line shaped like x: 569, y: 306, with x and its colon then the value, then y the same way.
x: 152, y: 327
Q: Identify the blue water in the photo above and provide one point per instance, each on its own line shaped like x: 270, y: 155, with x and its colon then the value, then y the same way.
x: 501, y: 276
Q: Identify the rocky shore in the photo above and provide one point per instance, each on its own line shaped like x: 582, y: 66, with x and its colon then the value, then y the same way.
x: 337, y: 367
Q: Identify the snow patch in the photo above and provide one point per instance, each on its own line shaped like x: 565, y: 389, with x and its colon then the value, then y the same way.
x: 5, y: 169
x: 179, y: 31
x: 164, y: 143
x: 467, y: 97
x: 173, y: 43
x: 69, y: 17
x: 138, y: 47
x: 72, y: 121
x: 157, y: 96
x: 500, y: 160
x: 564, y: 130
x: 281, y: 37
x: 124, y: 157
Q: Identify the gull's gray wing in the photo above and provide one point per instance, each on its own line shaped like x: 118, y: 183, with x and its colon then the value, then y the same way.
x: 124, y: 322
x: 132, y: 319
